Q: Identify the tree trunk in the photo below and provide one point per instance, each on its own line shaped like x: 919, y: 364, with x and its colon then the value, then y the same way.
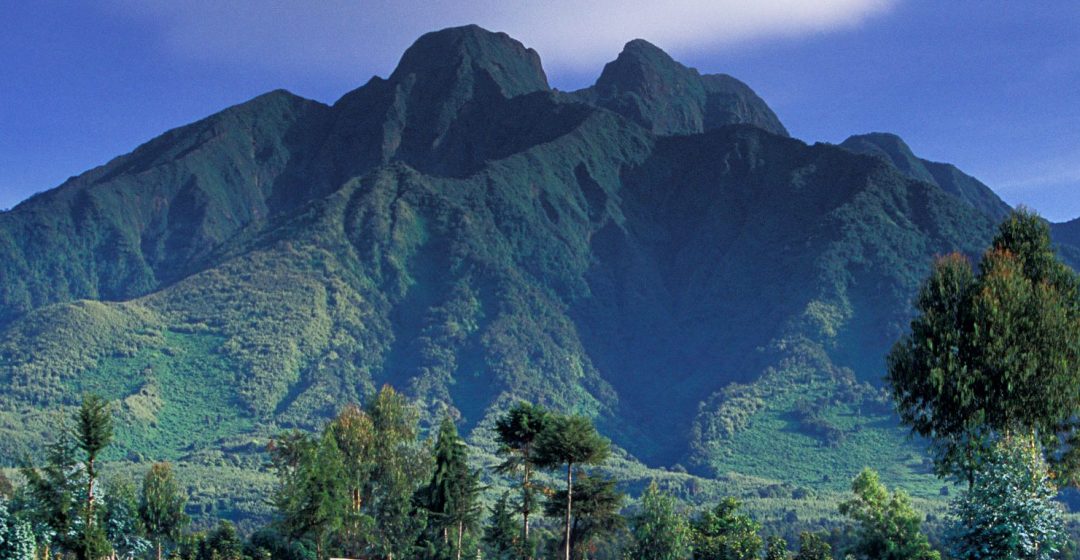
x: 159, y: 549
x: 526, y: 505
x: 90, y: 493
x: 460, y: 529
x: 569, y: 500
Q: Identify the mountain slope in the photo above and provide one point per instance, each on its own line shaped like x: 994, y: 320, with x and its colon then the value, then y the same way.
x: 653, y: 251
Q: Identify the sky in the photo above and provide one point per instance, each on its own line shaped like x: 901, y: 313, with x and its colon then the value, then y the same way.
x: 992, y: 86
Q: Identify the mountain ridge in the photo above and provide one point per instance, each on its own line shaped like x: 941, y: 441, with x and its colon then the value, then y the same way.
x: 654, y: 251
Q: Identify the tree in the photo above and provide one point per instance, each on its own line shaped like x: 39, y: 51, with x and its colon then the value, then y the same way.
x: 1009, y: 511
x: 888, y: 527
x: 161, y: 505
x: 221, y: 544
x: 722, y: 533
x: 7, y: 489
x: 518, y: 431
x: 399, y: 461
x: 570, y: 440
x: 451, y: 497
x: 16, y: 538
x: 501, y: 534
x: 123, y: 527
x: 596, y: 514
x: 55, y: 493
x: 659, y: 531
x: 355, y: 434
x: 813, y: 547
x: 93, y: 433
x: 994, y: 353
x: 776, y: 548
x: 312, y: 495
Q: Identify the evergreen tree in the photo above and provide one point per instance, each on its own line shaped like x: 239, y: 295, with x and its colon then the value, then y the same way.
x: 813, y: 547
x: 1009, y: 511
x: 93, y: 433
x: 221, y: 544
x: 887, y: 525
x: 994, y: 353
x: 55, y: 492
x: 723, y: 533
x: 501, y: 535
x: 659, y: 531
x: 161, y: 505
x: 518, y: 431
x: 597, y: 503
x: 570, y: 440
x: 451, y: 497
x: 776, y: 548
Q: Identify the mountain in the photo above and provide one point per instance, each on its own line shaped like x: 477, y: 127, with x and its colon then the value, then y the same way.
x: 654, y: 251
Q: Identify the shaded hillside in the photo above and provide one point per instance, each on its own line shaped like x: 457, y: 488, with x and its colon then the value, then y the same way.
x: 653, y: 251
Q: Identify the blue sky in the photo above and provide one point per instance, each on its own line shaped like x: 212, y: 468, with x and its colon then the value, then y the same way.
x: 991, y: 86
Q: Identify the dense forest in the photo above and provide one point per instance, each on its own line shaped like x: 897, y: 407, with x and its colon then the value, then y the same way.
x: 986, y: 373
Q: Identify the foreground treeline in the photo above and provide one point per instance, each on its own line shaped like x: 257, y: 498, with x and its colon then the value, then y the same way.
x: 989, y: 374
x: 368, y: 486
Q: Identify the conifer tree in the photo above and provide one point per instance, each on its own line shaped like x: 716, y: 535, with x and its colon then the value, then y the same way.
x: 569, y: 441
x: 518, y: 431
x: 501, y: 534
x: 55, y: 490
x: 451, y: 497
x: 161, y: 505
x: 93, y: 433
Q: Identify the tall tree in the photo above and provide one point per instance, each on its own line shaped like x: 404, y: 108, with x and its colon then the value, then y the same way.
x: 1009, y: 511
x: 518, y: 431
x: 452, y: 496
x: 569, y: 441
x: 723, y: 533
x: 161, y: 505
x: 994, y: 353
x: 355, y: 434
x: 312, y: 496
x: 399, y: 462
x: 596, y: 511
x: 888, y: 527
x: 659, y: 531
x: 93, y: 433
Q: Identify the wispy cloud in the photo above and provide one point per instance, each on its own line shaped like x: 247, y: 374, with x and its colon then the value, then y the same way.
x: 342, y: 38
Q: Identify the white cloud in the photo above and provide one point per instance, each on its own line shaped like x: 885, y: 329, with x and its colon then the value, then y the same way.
x: 342, y: 38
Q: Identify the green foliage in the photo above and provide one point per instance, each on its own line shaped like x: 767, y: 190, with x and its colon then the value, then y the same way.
x: 312, y: 496
x: 518, y: 431
x: 887, y: 527
x: 56, y: 491
x: 776, y: 548
x: 596, y: 504
x: 660, y: 532
x: 451, y: 498
x: 813, y: 547
x: 17, y: 540
x: 1009, y: 511
x: 990, y: 353
x: 123, y: 526
x: 161, y: 505
x: 502, y: 538
x: 722, y: 533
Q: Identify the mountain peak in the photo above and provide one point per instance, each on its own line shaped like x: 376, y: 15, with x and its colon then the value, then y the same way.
x: 459, y: 53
